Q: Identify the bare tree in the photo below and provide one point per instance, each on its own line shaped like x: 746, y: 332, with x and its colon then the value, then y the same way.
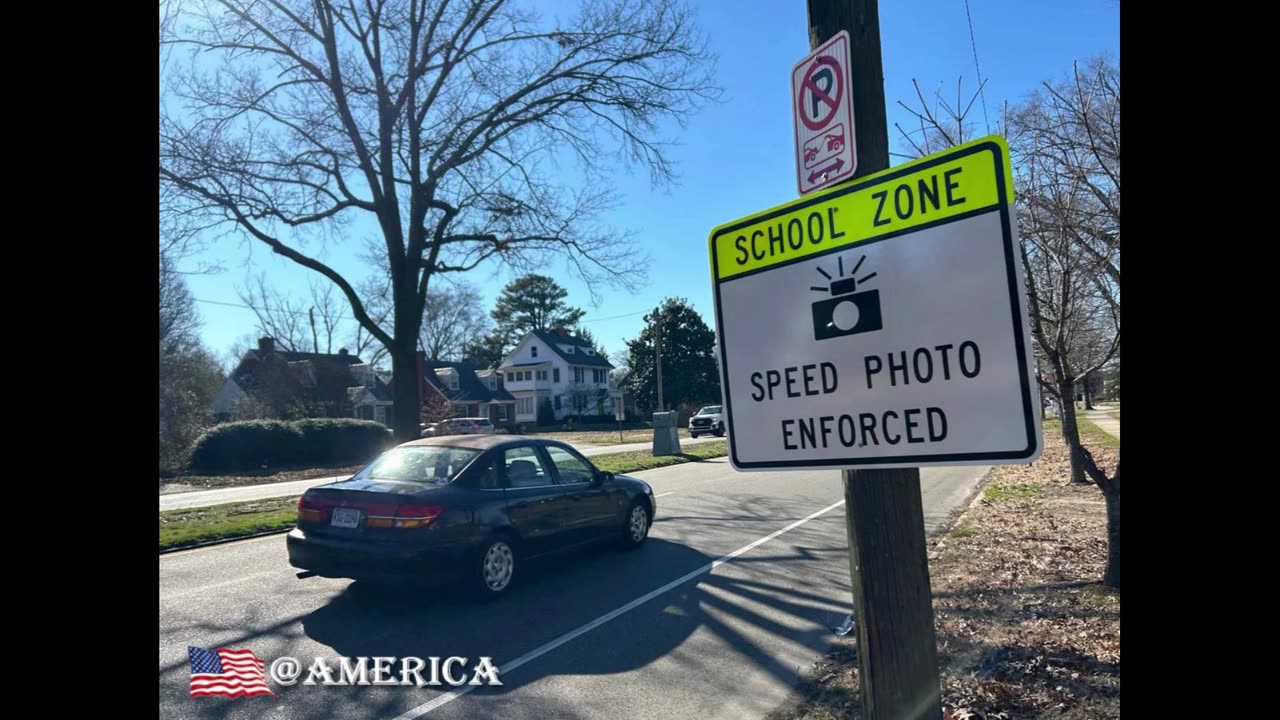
x: 313, y: 324
x: 939, y: 124
x: 178, y: 319
x: 454, y: 319
x: 436, y: 120
x: 189, y: 376
x: 1065, y: 142
x: 1070, y: 132
x: 435, y: 408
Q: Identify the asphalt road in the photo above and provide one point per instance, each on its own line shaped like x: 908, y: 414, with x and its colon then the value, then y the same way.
x: 220, y: 496
x: 665, y: 631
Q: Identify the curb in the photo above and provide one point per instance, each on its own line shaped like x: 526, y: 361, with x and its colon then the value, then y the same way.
x: 935, y: 539
x: 224, y: 541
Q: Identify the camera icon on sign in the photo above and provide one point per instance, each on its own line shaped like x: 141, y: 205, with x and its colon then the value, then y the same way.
x: 847, y: 311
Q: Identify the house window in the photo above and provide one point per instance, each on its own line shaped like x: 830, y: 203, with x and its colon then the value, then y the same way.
x: 577, y: 375
x: 524, y: 406
x: 589, y: 351
x: 378, y: 414
x: 500, y: 412
x: 542, y: 374
x: 365, y: 412
x: 558, y: 401
x: 555, y: 374
x: 533, y: 350
x: 568, y: 349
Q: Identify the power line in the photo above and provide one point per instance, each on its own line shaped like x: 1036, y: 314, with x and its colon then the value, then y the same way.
x: 982, y: 92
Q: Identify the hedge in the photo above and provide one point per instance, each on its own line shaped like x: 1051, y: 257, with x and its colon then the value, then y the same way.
x: 255, y: 444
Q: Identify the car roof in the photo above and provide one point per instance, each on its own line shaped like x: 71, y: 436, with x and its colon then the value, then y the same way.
x: 478, y: 442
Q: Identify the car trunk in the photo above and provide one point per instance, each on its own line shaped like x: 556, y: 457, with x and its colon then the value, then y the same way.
x: 371, y: 510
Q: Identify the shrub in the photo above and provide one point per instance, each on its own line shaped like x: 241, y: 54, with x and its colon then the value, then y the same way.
x: 341, y: 441
x: 246, y: 445
x: 255, y: 444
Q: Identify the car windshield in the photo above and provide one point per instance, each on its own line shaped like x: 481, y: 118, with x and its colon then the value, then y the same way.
x: 712, y: 410
x: 483, y: 423
x: 436, y: 464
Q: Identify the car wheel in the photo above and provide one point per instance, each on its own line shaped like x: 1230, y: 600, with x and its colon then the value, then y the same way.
x: 693, y: 435
x: 494, y: 567
x: 635, y: 527
x: 719, y: 432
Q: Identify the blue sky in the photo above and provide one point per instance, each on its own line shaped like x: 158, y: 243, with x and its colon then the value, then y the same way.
x: 736, y: 156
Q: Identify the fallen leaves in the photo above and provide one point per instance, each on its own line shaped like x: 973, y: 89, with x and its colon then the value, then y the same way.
x: 1024, y: 627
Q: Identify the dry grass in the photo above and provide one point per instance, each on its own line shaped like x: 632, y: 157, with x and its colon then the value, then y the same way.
x: 1024, y: 628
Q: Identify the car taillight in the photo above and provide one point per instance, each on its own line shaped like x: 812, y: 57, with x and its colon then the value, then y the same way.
x: 406, y: 516
x: 310, y: 510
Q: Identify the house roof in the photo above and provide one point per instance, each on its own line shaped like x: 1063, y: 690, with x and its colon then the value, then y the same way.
x: 470, y: 387
x: 380, y: 391
x: 288, y: 356
x: 557, y: 338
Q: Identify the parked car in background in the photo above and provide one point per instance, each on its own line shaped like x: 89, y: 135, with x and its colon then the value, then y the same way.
x: 460, y: 426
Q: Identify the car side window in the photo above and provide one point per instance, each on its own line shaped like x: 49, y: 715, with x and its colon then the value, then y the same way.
x: 487, y: 479
x: 571, y: 467
x: 524, y: 468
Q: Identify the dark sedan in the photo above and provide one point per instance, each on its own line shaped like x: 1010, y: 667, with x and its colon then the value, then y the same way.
x: 467, y: 508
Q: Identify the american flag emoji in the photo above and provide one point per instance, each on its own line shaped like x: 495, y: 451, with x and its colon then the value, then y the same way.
x: 230, y: 673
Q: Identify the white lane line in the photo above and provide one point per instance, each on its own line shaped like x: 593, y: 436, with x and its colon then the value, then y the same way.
x: 664, y: 494
x: 207, y: 588
x: 583, y: 629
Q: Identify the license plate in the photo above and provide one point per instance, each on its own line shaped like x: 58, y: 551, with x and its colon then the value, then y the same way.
x: 345, y: 518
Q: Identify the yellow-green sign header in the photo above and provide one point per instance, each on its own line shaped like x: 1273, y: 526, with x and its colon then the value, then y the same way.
x: 960, y: 181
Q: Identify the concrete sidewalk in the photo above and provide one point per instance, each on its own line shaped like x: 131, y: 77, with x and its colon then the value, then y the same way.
x: 245, y: 493
x: 1104, y: 420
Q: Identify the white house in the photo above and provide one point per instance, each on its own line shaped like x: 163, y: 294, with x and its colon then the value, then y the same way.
x: 556, y: 366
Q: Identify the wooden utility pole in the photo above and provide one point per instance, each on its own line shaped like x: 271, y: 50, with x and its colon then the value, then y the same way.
x: 657, y: 347
x: 888, y: 559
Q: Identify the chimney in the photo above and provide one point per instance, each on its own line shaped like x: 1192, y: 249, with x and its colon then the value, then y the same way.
x: 342, y: 352
x: 560, y: 331
x: 266, y: 345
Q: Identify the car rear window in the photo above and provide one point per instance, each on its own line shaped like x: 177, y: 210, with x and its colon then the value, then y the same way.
x: 484, y: 423
x: 436, y: 464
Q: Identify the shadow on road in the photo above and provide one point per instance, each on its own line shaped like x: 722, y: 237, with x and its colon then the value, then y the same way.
x: 560, y: 594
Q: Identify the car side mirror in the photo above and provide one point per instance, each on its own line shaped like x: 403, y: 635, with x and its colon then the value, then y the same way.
x: 601, y: 476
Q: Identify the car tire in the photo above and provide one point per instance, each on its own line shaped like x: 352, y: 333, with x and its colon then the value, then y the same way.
x: 635, y: 525
x: 719, y: 432
x: 493, y: 567
x: 693, y: 435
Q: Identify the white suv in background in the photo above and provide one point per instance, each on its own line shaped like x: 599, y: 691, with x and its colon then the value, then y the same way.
x: 708, y: 421
x: 460, y: 426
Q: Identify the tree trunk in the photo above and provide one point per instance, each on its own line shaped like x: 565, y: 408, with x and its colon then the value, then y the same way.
x: 404, y: 394
x: 1088, y: 392
x: 1071, y: 431
x: 1111, y: 578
